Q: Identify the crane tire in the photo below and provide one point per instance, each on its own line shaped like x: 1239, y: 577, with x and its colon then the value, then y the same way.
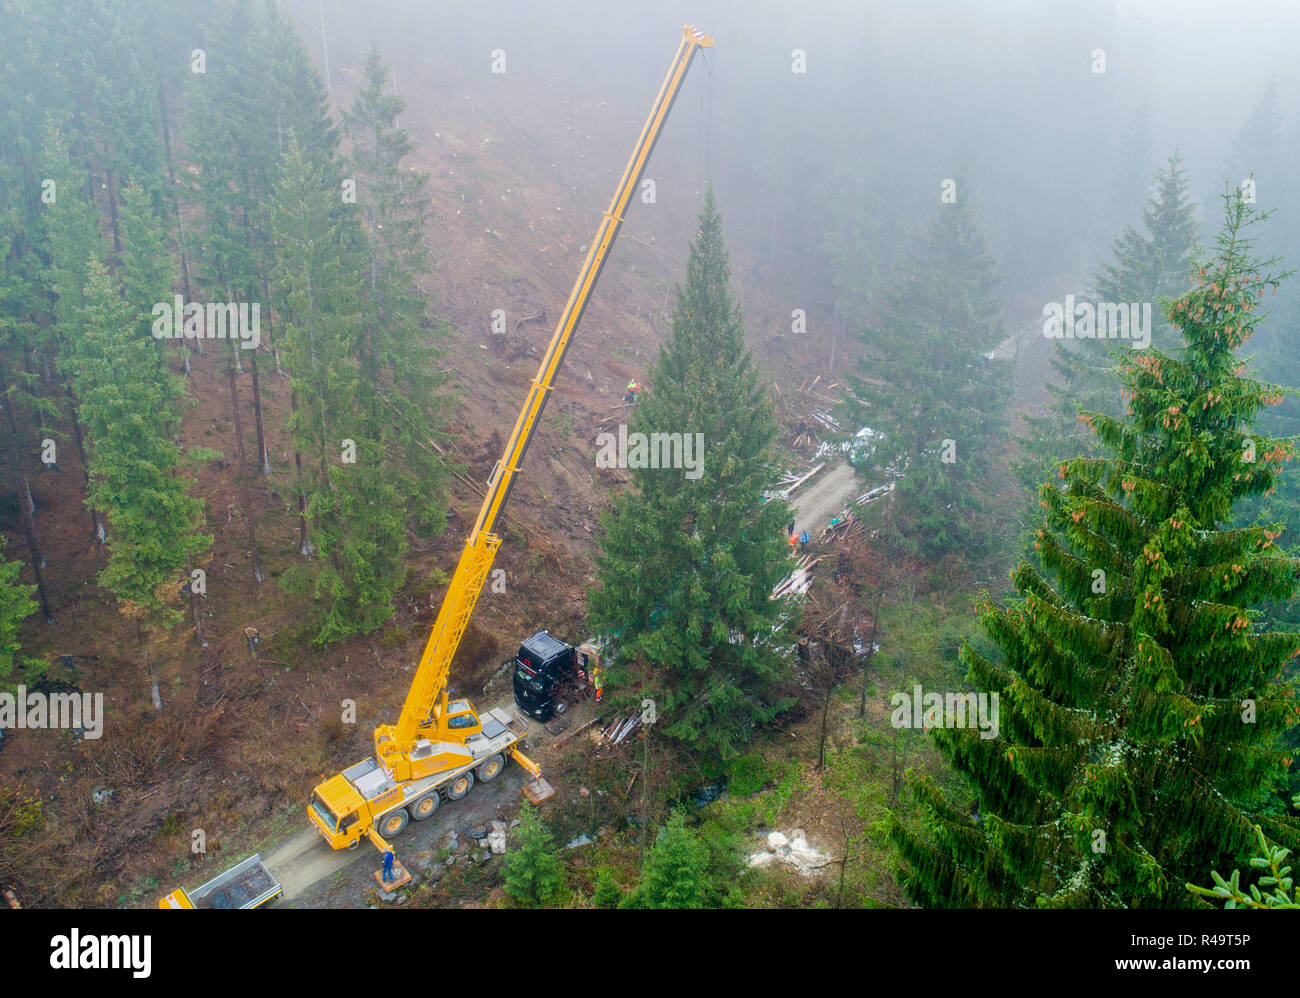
x: 393, y: 823
x: 425, y: 807
x: 460, y: 786
x: 490, y: 769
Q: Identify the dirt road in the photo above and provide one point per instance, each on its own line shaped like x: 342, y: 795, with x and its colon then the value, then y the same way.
x: 824, y: 497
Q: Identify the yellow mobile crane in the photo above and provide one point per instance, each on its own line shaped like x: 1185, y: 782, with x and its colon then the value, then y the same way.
x: 438, y: 745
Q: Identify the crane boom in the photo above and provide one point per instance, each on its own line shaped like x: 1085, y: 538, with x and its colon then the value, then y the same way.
x: 423, y: 717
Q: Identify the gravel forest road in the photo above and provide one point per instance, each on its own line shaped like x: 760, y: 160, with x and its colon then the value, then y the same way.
x: 824, y: 497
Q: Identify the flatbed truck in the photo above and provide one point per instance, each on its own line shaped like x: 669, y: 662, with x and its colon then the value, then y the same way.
x: 245, y: 885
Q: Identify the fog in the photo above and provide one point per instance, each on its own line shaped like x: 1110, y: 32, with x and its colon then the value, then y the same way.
x: 1057, y: 114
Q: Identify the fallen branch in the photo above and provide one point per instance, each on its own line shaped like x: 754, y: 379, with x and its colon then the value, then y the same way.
x: 565, y: 738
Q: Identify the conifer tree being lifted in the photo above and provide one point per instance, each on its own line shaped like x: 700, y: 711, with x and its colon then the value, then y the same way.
x: 1141, y: 709
x: 687, y: 564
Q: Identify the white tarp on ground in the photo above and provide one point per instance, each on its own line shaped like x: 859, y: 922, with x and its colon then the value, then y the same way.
x: 790, y: 850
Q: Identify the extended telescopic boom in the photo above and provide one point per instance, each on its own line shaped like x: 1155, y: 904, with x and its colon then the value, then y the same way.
x: 423, y: 717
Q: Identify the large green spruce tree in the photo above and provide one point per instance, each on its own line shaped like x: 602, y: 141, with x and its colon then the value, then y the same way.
x: 690, y: 557
x: 368, y: 404
x: 128, y: 403
x: 1141, y: 704
x: 931, y: 390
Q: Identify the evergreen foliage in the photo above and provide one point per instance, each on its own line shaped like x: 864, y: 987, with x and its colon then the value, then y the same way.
x: 681, y: 871
x: 16, y: 605
x: 687, y: 565
x: 1141, y: 697
x: 128, y: 401
x: 1277, y: 882
x: 534, y: 877
x: 931, y: 391
x: 400, y: 405
x: 1151, y: 266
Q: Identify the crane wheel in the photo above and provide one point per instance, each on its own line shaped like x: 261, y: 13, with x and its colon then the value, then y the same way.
x: 490, y: 769
x: 425, y: 806
x: 460, y: 786
x: 393, y: 823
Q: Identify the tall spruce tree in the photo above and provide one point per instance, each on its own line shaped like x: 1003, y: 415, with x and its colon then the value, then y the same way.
x: 316, y: 301
x: 400, y: 406
x: 352, y: 511
x: 689, y: 558
x: 1149, y: 267
x: 73, y: 242
x: 1140, y: 705
x: 930, y: 389
x: 128, y: 403
x: 359, y: 341
x: 316, y: 298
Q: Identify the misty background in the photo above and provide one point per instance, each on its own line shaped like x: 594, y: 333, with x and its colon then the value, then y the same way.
x: 895, y: 99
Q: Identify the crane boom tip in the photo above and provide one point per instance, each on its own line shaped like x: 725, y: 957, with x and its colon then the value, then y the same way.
x: 693, y: 34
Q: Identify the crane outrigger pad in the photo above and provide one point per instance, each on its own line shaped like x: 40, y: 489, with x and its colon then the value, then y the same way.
x: 402, y: 877
x: 538, y: 791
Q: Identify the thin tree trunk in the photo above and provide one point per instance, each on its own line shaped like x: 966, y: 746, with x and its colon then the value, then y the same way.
x: 324, y: 46
x: 263, y: 454
x: 194, y: 608
x: 304, y: 545
x: 844, y: 866
x: 243, y: 476
x: 96, y: 524
x: 871, y: 646
x: 828, y: 685
x: 39, y: 394
x: 176, y: 206
x: 110, y: 179
x: 263, y: 457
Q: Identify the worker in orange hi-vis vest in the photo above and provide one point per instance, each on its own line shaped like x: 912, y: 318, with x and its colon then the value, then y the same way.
x: 598, y: 681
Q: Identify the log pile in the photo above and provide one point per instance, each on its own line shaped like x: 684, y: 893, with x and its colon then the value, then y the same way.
x: 620, y: 729
x: 798, y: 581
x: 850, y: 526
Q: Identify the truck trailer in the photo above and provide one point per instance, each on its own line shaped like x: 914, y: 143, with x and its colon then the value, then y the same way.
x: 246, y: 885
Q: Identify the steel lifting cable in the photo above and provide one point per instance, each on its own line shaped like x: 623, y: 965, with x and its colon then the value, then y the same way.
x: 706, y: 124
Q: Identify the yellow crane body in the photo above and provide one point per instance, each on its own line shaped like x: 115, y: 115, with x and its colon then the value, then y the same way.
x: 437, y: 742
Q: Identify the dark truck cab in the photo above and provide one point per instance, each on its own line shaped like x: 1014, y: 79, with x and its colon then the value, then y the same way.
x: 547, y: 673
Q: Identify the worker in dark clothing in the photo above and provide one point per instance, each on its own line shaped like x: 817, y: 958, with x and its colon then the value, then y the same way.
x: 388, y: 866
